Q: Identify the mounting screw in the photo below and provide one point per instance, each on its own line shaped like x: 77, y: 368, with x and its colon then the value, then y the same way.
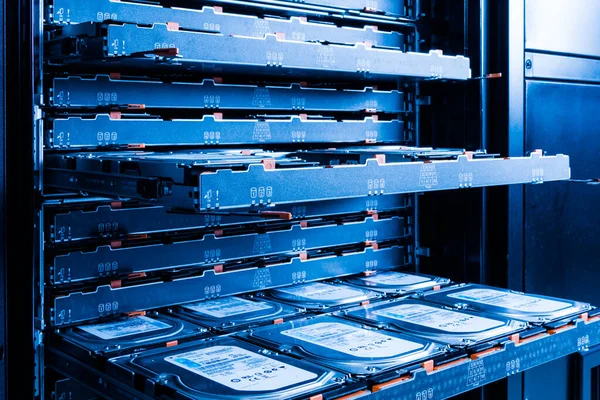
x: 528, y: 64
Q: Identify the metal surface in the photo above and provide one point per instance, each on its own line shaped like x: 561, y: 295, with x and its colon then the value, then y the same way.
x: 550, y: 66
x: 200, y: 51
x: 104, y: 301
x: 345, y: 345
x: 207, y: 19
x: 102, y: 131
x: 256, y: 185
x: 589, y: 361
x: 211, y: 249
x: 548, y: 28
x: 103, y: 91
x: 97, y: 220
x: 69, y: 389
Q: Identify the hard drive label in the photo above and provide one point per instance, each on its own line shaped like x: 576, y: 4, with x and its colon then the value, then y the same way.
x: 226, y: 307
x: 353, y: 341
x: 321, y: 291
x: 436, y: 318
x: 128, y: 327
x: 395, y: 279
x: 240, y: 369
x: 514, y: 301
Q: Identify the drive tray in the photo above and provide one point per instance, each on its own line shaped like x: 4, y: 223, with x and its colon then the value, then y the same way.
x: 322, y: 295
x: 532, y: 308
x: 434, y: 322
x: 396, y: 282
x: 345, y: 345
x: 235, y: 312
x: 226, y: 368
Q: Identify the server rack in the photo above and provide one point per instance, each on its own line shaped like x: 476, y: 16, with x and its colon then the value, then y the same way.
x: 406, y: 383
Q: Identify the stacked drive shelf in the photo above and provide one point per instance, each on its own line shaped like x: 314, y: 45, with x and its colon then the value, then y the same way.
x: 237, y: 199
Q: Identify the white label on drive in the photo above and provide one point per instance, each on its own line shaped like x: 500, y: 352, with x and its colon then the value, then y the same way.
x: 395, y: 279
x: 322, y: 291
x: 437, y: 318
x: 240, y: 369
x: 128, y: 327
x: 226, y: 307
x: 513, y: 301
x: 351, y: 340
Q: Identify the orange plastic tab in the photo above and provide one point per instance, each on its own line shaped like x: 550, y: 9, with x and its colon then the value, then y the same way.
x: 381, y: 386
x: 115, y: 115
x: 137, y: 236
x: 218, y: 9
x: 115, y: 75
x: 375, y: 118
x: 369, y: 273
x: 364, y: 303
x: 303, y: 256
x: 316, y: 397
x: 115, y: 244
x: 303, y: 84
x: 172, y: 343
x: 286, y: 216
x: 436, y: 287
x: 136, y: 106
x: 169, y: 52
x: 136, y: 314
x: 116, y: 204
x: 539, y: 151
x: 115, y: 284
x: 303, y: 19
x: 219, y: 268
x: 304, y: 224
x: 280, y: 35
x: 173, y: 26
x: 218, y: 116
x: 368, y: 44
x: 428, y: 365
x: 354, y: 395
x: 269, y: 163
x: 480, y: 354
x: 380, y: 158
x: 515, y: 338
x: 278, y: 321
x: 246, y: 152
x: 494, y: 75
x: 218, y: 79
x: 137, y: 275
x: 218, y: 232
x: 136, y: 146
x: 375, y: 27
x: 469, y: 155
x: 375, y: 246
x: 303, y: 117
x: 584, y: 317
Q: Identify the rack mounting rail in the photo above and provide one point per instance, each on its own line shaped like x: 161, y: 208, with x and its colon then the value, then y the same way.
x: 212, y: 249
x: 112, y: 46
x: 110, y: 219
x: 105, y: 300
x: 104, y: 91
x: 190, y: 180
x: 74, y: 132
x: 209, y: 19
